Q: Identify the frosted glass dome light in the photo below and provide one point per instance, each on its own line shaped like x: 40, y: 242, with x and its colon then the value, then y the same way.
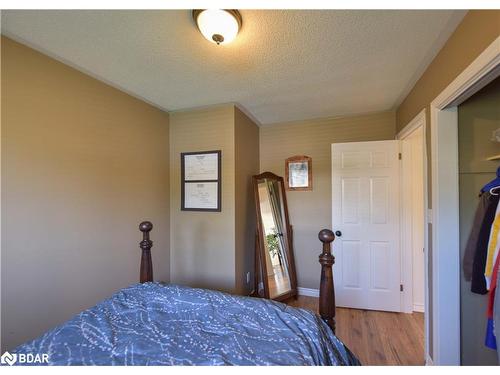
x: 219, y: 26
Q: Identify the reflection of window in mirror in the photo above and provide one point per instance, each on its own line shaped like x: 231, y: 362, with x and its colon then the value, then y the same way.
x: 298, y: 173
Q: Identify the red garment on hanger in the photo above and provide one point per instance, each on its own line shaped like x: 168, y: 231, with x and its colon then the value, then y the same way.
x: 490, y: 340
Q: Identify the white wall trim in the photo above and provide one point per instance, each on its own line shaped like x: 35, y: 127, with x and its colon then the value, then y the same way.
x: 406, y: 253
x: 418, y: 307
x: 445, y: 237
x: 407, y: 304
x: 428, y: 361
x: 445, y: 207
x: 479, y: 68
x: 308, y: 292
x: 413, y: 125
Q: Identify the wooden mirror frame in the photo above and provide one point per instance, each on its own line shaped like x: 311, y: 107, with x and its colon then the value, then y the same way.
x: 260, y: 264
x: 299, y: 159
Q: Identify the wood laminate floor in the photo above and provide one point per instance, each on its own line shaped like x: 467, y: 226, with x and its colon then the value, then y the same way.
x: 377, y: 337
x: 279, y: 283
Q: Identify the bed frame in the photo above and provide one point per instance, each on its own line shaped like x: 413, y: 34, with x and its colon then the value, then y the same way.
x: 326, y: 259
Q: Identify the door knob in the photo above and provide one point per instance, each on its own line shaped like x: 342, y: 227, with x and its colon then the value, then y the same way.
x: 338, y: 233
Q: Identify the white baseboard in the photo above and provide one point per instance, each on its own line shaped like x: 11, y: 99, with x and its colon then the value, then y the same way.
x: 308, y: 292
x: 301, y: 291
x: 429, y: 361
x: 418, y: 307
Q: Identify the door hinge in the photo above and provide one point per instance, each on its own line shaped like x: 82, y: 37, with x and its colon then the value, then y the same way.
x: 401, y: 287
x: 400, y: 156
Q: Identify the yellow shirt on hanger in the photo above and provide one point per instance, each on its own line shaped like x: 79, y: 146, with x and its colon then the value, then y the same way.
x: 493, y: 247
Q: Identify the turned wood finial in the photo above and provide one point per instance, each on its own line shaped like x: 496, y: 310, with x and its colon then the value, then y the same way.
x: 146, y: 262
x: 326, y: 236
x: 145, y: 227
x: 326, y: 291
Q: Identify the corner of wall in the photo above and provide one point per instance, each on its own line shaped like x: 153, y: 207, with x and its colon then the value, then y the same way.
x: 247, y: 164
x: 202, y: 244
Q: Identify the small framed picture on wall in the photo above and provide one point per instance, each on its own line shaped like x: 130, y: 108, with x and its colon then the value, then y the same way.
x: 201, y: 181
x: 298, y: 173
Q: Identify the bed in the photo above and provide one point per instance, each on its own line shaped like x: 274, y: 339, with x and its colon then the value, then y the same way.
x: 151, y: 323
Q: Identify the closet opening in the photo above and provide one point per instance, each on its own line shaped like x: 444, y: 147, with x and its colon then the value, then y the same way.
x: 447, y: 337
x: 479, y: 189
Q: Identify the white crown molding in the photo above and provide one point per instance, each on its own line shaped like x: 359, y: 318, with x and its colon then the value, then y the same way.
x: 412, y: 125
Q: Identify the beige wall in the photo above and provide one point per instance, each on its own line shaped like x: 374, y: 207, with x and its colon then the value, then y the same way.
x: 215, y: 249
x: 246, y: 165
x: 82, y: 165
x: 202, y: 243
x: 474, y: 34
x: 310, y: 211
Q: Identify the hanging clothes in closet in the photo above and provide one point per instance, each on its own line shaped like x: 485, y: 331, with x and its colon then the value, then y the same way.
x: 493, y: 246
x: 492, y: 311
x: 496, y: 313
x: 476, y: 250
x: 482, y: 257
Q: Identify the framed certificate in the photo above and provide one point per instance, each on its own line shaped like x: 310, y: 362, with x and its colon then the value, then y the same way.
x: 201, y: 181
x: 298, y: 172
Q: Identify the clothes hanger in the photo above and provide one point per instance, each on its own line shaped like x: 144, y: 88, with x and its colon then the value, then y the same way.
x: 494, y: 189
x: 492, y: 184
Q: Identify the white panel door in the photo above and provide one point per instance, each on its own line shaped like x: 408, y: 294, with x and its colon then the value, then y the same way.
x: 365, y: 210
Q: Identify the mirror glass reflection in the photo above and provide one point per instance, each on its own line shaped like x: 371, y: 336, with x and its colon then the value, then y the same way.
x: 275, y: 237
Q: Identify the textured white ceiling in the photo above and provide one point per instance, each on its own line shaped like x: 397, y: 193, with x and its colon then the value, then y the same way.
x: 284, y: 65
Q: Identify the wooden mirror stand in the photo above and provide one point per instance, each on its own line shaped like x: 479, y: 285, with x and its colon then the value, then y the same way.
x: 275, y: 276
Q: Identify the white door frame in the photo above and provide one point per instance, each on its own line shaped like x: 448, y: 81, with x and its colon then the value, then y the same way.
x: 445, y: 204
x: 406, y: 251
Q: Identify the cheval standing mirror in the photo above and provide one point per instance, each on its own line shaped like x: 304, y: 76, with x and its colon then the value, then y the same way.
x: 275, y: 276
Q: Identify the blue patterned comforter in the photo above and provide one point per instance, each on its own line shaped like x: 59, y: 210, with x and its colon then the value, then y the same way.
x: 157, y: 324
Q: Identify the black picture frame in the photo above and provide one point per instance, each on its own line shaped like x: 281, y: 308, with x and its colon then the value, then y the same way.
x: 218, y: 180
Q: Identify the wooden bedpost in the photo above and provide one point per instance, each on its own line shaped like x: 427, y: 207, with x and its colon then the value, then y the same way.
x: 146, y: 244
x: 326, y: 290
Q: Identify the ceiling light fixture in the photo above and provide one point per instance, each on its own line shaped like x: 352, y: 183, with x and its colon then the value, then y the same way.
x: 219, y: 26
